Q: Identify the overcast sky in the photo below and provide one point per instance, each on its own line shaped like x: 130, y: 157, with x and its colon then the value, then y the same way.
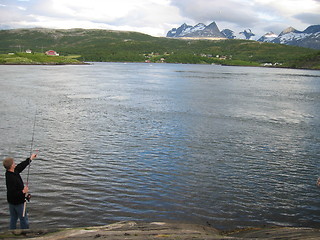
x: 157, y: 17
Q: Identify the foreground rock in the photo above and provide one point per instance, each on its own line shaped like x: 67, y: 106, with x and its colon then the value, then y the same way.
x: 160, y: 230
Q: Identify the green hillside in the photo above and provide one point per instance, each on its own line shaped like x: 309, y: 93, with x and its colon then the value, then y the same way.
x: 119, y: 46
x: 36, y: 59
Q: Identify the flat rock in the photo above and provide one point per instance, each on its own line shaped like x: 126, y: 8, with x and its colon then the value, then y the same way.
x: 277, y: 233
x: 131, y: 230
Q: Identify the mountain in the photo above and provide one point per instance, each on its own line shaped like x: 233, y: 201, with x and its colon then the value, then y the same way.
x: 176, y: 32
x: 268, y: 37
x: 309, y: 38
x: 211, y: 31
x: 289, y: 30
x: 246, y: 34
x: 198, y: 31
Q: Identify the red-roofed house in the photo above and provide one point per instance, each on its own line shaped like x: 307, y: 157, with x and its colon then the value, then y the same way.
x: 52, y: 53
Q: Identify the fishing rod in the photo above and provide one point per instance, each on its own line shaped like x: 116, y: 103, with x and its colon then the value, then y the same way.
x: 31, y: 148
x: 27, y: 195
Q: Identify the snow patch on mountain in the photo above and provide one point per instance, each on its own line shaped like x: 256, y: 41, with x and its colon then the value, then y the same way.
x: 268, y: 37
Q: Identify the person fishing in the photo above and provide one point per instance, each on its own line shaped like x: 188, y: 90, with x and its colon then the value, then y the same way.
x: 17, y: 192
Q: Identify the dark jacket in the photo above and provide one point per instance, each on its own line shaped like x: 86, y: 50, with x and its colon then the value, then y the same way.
x: 15, y: 184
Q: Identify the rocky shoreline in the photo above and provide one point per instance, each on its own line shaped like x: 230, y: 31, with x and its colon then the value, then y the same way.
x: 132, y: 230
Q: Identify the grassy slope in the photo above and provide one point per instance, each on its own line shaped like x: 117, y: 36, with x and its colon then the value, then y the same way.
x: 35, y: 58
x: 103, y: 45
x: 311, y: 61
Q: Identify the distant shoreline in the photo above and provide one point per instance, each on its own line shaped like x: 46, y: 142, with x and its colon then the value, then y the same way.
x: 44, y: 64
x: 90, y: 63
x: 109, y: 46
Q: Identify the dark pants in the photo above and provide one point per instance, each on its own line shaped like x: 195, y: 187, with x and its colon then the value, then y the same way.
x: 16, y: 211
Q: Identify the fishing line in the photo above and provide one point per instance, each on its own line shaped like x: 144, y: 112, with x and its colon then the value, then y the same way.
x: 27, y: 196
x: 32, y: 140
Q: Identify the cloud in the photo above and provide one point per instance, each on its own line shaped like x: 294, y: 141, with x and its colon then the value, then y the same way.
x: 156, y: 17
x: 232, y: 11
x: 259, y: 15
x: 309, y: 18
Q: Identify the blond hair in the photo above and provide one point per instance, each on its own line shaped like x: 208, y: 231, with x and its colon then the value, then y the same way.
x: 7, y: 163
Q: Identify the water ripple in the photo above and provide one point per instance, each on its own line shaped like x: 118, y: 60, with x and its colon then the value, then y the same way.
x: 235, y: 147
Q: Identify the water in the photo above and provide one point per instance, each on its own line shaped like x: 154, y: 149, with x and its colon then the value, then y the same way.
x: 229, y: 146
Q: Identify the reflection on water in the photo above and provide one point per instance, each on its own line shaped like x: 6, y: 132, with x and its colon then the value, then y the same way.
x: 230, y: 146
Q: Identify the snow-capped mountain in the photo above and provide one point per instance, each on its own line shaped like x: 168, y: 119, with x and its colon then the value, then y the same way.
x: 211, y: 31
x: 268, y: 37
x: 289, y: 30
x: 182, y: 30
x: 198, y: 31
x: 309, y: 38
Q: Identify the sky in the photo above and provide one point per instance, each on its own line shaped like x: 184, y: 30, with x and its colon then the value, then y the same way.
x: 157, y: 17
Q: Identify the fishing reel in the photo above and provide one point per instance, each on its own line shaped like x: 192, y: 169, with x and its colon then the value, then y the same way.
x: 28, y: 197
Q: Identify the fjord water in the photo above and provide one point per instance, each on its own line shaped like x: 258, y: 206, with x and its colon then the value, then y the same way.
x: 228, y: 146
